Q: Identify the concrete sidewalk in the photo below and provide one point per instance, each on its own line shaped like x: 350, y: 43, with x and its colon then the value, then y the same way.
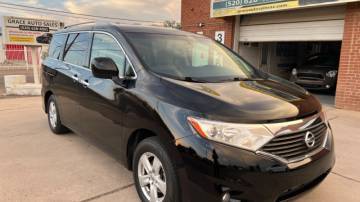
x: 36, y: 165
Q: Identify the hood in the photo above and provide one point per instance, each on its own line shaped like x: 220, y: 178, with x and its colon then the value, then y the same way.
x: 251, y: 101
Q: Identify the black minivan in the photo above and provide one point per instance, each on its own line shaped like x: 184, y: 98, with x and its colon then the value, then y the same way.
x: 190, y: 118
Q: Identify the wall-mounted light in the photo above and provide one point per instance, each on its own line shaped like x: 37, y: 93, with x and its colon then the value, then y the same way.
x: 201, y: 24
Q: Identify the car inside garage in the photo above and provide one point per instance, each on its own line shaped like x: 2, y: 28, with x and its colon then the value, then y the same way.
x: 302, y: 46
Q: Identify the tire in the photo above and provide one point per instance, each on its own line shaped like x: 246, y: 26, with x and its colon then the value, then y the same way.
x: 167, y: 174
x: 54, y: 117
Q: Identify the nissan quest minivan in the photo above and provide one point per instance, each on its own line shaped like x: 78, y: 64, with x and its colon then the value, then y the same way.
x: 192, y: 119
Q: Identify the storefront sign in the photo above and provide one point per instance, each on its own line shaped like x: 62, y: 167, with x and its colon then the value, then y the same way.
x: 23, y: 31
x: 221, y: 8
x: 242, y: 3
x: 34, y: 28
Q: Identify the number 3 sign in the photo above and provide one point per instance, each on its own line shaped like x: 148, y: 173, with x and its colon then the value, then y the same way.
x: 220, y: 36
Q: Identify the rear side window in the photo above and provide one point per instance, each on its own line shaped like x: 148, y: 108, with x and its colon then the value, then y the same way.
x: 56, y: 46
x: 106, y: 46
x: 76, y: 49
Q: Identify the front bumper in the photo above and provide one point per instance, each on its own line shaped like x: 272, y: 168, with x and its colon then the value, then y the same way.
x: 320, y: 84
x: 211, y: 169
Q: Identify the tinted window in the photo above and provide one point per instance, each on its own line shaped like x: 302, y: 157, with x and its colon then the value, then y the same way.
x: 76, y: 50
x: 106, y: 46
x: 189, y: 57
x: 56, y: 46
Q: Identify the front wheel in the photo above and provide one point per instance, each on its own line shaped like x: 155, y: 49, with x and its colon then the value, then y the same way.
x: 154, y: 173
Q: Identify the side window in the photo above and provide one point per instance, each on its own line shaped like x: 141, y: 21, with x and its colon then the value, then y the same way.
x: 56, y: 46
x: 106, y: 46
x: 76, y: 49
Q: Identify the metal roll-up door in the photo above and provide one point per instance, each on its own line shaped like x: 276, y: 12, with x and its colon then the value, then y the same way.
x: 317, y: 24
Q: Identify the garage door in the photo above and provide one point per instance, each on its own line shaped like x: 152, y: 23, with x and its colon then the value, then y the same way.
x: 324, y: 24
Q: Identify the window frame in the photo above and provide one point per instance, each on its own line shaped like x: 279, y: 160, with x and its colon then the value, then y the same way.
x: 61, y: 54
x: 128, y: 61
x: 87, y: 52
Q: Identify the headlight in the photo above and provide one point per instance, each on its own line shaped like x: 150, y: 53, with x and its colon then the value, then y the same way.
x: 331, y: 74
x: 246, y: 136
x: 294, y: 72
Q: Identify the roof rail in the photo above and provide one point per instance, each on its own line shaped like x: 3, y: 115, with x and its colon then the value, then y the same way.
x: 82, y: 23
x: 116, y: 23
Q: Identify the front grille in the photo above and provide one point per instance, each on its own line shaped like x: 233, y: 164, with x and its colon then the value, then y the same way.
x: 292, y: 146
x: 310, y: 76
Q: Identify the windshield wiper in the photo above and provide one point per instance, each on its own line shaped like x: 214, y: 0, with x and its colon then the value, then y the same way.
x: 198, y: 80
x: 242, y: 79
x: 192, y: 79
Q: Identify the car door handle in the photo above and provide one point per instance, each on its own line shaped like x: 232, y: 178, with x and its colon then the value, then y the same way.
x: 75, y: 77
x: 50, y: 73
x: 85, y: 83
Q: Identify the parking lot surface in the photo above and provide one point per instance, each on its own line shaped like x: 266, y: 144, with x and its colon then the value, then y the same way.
x: 36, y: 165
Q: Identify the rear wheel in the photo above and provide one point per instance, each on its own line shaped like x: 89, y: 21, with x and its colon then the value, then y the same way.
x: 154, y: 173
x: 54, y: 117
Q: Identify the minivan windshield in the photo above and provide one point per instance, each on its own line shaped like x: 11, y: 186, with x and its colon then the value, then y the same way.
x: 190, y: 58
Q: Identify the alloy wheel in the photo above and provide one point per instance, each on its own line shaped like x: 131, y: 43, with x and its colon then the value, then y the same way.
x: 52, y: 114
x: 151, y: 177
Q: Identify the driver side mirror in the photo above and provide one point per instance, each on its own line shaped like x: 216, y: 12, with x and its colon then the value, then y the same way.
x: 104, y: 68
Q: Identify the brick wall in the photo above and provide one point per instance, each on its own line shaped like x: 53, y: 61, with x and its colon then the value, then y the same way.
x: 194, y: 12
x: 348, y: 87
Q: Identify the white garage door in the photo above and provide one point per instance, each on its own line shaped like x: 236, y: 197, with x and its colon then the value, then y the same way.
x: 320, y: 24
